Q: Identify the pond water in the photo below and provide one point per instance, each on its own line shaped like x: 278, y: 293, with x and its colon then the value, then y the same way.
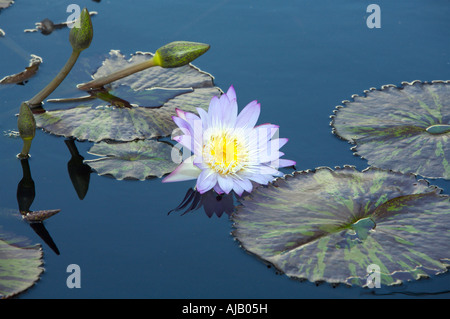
x: 299, y: 59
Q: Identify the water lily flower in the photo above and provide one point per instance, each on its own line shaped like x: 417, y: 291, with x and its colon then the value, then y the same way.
x: 229, y: 151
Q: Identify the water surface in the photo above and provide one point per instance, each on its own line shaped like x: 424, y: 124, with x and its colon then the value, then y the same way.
x: 299, y: 59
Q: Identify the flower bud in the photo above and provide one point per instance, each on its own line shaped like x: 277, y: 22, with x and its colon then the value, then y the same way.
x: 179, y: 53
x: 81, y: 34
x: 27, y: 128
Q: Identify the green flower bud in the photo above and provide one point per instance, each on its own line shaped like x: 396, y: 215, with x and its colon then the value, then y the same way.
x: 81, y: 34
x: 179, y: 53
x: 27, y: 128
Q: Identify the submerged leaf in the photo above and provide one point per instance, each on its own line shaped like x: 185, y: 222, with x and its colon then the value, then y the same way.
x: 133, y: 160
x: 331, y: 225
x: 22, y: 77
x: 401, y: 128
x: 20, y: 265
x: 39, y: 215
x: 151, y: 97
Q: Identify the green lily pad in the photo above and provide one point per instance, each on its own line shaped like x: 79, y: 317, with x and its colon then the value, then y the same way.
x: 405, y: 128
x: 20, y: 265
x: 136, y: 160
x: 151, y: 97
x: 331, y: 225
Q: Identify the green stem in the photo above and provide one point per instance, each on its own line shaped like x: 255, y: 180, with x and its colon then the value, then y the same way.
x: 100, y: 82
x: 38, y: 98
x: 25, y: 149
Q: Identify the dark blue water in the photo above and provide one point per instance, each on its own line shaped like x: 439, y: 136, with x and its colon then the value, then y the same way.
x: 298, y: 58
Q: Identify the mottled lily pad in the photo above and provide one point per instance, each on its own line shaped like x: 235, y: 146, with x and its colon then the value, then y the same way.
x: 20, y: 265
x: 331, y: 225
x: 405, y: 128
x: 151, y: 95
x: 137, y: 160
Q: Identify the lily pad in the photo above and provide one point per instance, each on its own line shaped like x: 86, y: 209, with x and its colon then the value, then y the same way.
x: 405, y: 128
x: 152, y: 96
x: 137, y: 160
x: 20, y: 265
x: 331, y: 225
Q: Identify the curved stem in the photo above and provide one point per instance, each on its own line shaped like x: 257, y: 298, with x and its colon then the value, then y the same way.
x: 97, y: 83
x: 38, y: 98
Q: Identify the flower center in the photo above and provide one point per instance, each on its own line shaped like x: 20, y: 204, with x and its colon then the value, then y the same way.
x: 225, y: 153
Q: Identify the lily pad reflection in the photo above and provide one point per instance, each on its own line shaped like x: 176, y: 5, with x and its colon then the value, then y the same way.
x: 331, y: 225
x: 405, y: 128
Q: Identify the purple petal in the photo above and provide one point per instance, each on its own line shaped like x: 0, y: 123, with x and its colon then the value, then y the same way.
x: 283, y: 163
x: 258, y: 178
x: 206, y: 180
x: 249, y: 115
x: 184, y: 172
x: 238, y: 189
x: 183, y: 125
x: 278, y: 143
x: 181, y: 113
x: 267, y: 170
x: 204, y: 116
x: 270, y: 151
x: 189, y: 117
x: 231, y: 93
x: 225, y: 183
x: 245, y: 184
x: 185, y: 140
x: 266, y: 130
x: 229, y: 113
x: 214, y: 112
x: 271, y: 157
x: 218, y: 190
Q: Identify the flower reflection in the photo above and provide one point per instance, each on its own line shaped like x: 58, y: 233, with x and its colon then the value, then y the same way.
x: 211, y: 202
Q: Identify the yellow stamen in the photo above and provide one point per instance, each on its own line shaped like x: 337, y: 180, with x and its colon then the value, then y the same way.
x: 225, y: 153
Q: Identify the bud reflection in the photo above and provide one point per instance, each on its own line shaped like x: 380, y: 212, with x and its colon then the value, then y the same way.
x: 25, y: 197
x: 78, y: 171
